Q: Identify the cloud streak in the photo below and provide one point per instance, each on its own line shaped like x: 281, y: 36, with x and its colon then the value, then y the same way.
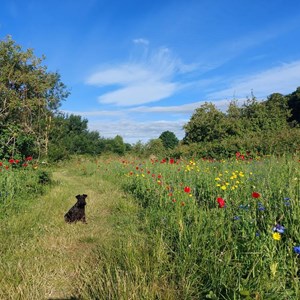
x: 281, y: 79
x: 140, y: 82
x: 133, y: 131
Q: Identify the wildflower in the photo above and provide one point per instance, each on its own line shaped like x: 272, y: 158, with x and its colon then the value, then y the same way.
x: 187, y: 189
x: 236, y: 218
x: 182, y: 203
x: 261, y: 207
x: 276, y: 236
x: 223, y: 187
x: 255, y: 195
x: 11, y: 161
x: 279, y: 228
x: 171, y: 161
x: 297, y: 249
x: 1, y: 164
x: 29, y: 158
x: 221, y: 202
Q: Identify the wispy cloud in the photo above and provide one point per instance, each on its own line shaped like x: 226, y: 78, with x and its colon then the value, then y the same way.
x: 141, y: 41
x: 142, y: 81
x: 132, y: 131
x: 185, y: 110
x: 282, y: 79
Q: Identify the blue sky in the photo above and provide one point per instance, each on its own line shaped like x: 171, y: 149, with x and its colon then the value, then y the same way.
x: 138, y: 68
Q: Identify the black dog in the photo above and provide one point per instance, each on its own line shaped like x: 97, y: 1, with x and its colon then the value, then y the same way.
x: 77, y: 212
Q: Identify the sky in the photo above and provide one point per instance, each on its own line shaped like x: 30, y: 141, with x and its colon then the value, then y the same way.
x: 139, y: 68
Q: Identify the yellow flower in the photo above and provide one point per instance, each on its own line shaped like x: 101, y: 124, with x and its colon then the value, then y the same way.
x: 276, y: 236
x: 223, y: 187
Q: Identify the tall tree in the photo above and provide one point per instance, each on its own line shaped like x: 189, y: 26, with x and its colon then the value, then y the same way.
x: 294, y: 105
x: 169, y: 139
x: 29, y: 96
x: 205, y: 125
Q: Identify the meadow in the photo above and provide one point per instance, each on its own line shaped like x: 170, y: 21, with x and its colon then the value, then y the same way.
x: 179, y: 229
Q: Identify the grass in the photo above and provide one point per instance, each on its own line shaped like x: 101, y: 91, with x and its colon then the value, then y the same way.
x: 155, y: 231
x: 42, y: 257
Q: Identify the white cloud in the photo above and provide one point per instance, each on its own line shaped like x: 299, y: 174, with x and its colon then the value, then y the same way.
x: 283, y: 79
x: 141, y: 41
x: 140, y: 93
x: 133, y: 131
x: 145, y: 81
x: 185, y: 109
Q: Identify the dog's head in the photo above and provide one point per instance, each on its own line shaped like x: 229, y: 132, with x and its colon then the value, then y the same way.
x: 81, y: 200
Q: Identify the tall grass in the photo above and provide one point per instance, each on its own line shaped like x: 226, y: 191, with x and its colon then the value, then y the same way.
x: 198, y: 249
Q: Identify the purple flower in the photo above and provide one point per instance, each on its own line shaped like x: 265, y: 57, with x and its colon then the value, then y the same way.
x: 279, y: 228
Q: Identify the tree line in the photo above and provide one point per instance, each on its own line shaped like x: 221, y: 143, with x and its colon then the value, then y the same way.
x: 31, y: 123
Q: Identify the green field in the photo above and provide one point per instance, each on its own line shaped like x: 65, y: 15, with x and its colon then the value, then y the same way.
x: 157, y: 229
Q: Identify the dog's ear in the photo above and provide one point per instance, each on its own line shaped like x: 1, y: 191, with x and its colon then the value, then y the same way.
x: 78, y: 196
x: 84, y: 195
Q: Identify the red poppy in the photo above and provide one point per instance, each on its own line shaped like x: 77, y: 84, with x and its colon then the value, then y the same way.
x: 172, y: 161
x: 29, y: 158
x: 11, y: 161
x: 1, y: 164
x: 221, y: 202
x: 255, y: 195
x: 187, y: 189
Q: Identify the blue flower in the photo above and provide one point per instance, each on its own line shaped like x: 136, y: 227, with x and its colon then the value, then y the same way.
x: 297, y: 249
x: 279, y: 228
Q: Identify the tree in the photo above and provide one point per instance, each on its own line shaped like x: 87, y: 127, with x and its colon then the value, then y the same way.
x: 29, y: 98
x: 155, y: 146
x: 206, y: 124
x: 294, y: 105
x: 169, y: 139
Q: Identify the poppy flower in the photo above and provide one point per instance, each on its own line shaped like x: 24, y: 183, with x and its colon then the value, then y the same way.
x: 221, y: 202
x: 255, y: 195
x: 11, y: 161
x: 171, y: 161
x: 187, y: 189
x: 29, y: 158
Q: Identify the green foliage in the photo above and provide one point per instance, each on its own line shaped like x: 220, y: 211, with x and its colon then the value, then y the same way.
x: 20, y: 180
x: 29, y: 95
x: 294, y: 104
x: 169, y: 139
x: 154, y: 147
x: 256, y: 127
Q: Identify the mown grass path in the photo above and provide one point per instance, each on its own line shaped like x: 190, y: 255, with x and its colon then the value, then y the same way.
x: 41, y: 255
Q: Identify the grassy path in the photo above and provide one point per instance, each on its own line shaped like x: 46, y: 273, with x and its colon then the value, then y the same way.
x: 41, y: 255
